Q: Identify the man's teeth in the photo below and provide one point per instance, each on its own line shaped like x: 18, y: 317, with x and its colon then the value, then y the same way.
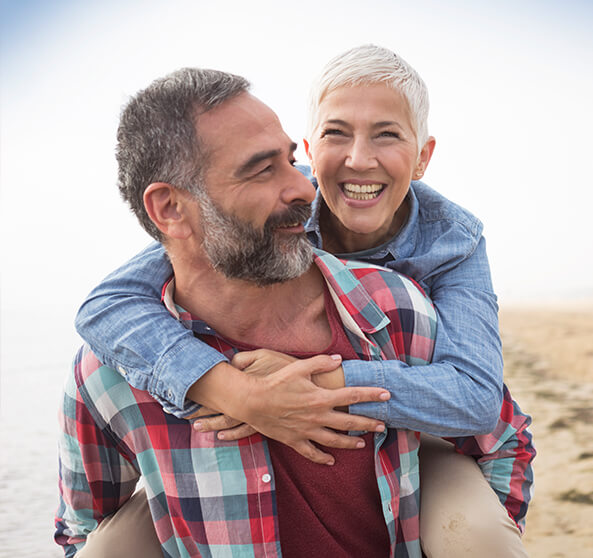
x: 362, y: 191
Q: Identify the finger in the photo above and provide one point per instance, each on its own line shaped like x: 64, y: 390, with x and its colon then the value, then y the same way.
x: 202, y: 412
x: 346, y: 422
x: 352, y: 395
x: 219, y: 422
x: 332, y: 439
x: 314, y: 365
x: 237, y: 433
x: 244, y: 359
x: 312, y: 453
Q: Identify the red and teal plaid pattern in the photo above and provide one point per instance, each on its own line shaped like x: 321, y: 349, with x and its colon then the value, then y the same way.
x: 213, y: 498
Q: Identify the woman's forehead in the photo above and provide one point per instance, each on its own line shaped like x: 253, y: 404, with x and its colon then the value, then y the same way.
x: 363, y: 100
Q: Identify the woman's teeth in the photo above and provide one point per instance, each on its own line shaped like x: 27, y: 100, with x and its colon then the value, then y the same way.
x: 362, y: 191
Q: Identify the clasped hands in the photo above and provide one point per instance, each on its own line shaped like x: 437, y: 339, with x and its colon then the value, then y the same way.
x: 301, y: 403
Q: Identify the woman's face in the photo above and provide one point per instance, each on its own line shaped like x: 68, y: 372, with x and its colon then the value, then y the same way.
x: 364, y: 154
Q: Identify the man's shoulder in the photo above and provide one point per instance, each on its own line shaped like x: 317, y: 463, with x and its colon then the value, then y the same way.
x: 99, y: 385
x: 391, y: 290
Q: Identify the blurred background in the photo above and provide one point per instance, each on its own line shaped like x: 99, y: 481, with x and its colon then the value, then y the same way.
x: 511, y: 85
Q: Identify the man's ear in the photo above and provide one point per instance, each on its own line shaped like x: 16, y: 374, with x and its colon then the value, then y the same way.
x: 424, y: 158
x: 309, y: 154
x: 164, y: 204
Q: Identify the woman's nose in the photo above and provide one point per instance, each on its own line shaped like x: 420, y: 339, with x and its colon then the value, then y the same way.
x: 360, y: 155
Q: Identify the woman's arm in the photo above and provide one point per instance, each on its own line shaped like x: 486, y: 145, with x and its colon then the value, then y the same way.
x: 460, y: 393
x: 129, y: 329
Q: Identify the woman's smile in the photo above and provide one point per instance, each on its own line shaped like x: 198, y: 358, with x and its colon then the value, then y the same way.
x: 364, y: 154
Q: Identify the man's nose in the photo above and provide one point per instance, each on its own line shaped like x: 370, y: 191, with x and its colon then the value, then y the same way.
x: 297, y: 188
x: 361, y: 155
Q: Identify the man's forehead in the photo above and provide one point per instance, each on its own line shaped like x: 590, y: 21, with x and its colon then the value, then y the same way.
x: 243, y: 112
x: 243, y: 125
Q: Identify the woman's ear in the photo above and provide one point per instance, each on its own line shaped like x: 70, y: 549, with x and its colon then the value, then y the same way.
x: 310, y: 155
x: 424, y: 158
x: 164, y: 204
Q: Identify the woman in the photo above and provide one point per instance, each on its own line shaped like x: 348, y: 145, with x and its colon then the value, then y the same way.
x: 368, y: 142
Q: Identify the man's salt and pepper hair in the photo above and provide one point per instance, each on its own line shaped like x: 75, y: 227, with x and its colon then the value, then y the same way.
x: 369, y: 64
x: 158, y: 134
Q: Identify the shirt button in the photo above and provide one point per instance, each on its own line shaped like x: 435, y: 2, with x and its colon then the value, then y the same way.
x: 122, y: 371
x: 266, y: 478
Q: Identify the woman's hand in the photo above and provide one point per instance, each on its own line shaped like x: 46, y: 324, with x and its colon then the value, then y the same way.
x: 288, y: 407
x: 260, y: 362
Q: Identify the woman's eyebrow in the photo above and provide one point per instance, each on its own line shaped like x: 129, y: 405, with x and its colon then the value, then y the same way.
x: 381, y: 124
x: 386, y: 123
x: 336, y: 121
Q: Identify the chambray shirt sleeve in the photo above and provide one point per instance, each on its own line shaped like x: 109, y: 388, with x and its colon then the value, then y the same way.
x: 460, y: 393
x: 129, y: 329
x: 94, y: 479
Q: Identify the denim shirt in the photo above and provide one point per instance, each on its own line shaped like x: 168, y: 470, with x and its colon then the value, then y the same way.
x: 441, y: 246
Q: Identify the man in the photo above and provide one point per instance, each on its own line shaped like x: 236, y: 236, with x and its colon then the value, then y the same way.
x: 229, y: 211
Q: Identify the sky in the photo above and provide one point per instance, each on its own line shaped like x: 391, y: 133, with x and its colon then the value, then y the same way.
x: 510, y: 83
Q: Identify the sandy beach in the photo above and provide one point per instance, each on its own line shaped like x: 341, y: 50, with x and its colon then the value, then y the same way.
x: 549, y: 369
x: 548, y: 366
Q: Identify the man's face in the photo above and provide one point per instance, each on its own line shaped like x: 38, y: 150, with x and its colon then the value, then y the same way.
x: 255, y: 202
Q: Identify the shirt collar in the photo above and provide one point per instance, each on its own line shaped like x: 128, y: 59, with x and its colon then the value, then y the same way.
x: 312, y: 225
x: 358, y: 311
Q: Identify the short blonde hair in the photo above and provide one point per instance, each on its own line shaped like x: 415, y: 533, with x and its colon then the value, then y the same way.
x: 369, y: 64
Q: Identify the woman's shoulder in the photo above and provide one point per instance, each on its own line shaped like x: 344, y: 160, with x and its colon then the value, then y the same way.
x: 436, y: 209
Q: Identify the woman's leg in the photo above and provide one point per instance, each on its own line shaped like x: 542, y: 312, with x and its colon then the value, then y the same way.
x: 460, y: 515
x: 129, y: 533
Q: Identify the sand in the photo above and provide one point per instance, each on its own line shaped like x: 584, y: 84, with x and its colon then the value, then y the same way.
x: 549, y: 369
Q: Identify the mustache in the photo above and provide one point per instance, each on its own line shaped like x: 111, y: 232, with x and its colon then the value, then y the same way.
x: 295, y: 214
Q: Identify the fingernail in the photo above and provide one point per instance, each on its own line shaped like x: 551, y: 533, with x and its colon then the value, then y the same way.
x: 385, y: 396
x: 336, y: 357
x: 197, y: 426
x: 360, y: 444
x: 380, y: 428
x: 221, y: 435
x: 330, y: 461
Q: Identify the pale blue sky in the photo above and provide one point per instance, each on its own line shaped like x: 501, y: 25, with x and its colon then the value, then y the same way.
x: 510, y: 82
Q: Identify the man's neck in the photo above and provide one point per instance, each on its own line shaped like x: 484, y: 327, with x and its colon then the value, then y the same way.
x: 287, y: 316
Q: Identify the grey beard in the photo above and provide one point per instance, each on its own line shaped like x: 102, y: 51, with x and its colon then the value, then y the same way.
x: 240, y: 251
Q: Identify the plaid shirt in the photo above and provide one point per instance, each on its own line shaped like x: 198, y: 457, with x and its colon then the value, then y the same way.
x: 214, y: 498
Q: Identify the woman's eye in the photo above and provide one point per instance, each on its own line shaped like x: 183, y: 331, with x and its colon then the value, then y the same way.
x: 332, y: 132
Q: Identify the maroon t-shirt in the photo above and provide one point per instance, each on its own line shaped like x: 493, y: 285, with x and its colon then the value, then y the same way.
x: 334, y: 512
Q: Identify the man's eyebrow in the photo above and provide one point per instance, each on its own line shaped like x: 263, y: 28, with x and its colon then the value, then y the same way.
x: 257, y: 158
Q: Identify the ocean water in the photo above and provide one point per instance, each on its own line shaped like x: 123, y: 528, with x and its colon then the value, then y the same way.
x: 36, y: 352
